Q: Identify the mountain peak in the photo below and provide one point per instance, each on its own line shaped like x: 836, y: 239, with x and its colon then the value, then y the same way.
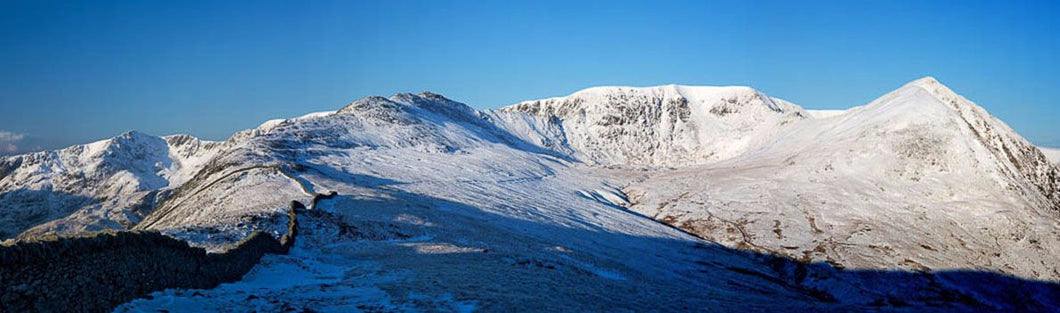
x: 922, y: 96
x: 936, y: 88
x: 421, y: 99
x: 135, y: 134
x: 433, y: 96
x: 926, y: 80
x: 366, y: 103
x: 1017, y: 158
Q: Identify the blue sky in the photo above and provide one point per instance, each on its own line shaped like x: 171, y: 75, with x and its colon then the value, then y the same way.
x: 78, y: 71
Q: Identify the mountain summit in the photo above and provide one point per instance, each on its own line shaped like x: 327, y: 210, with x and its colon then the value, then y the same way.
x: 665, y: 125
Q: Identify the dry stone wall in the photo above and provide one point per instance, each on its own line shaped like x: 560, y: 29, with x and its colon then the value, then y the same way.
x: 97, y: 273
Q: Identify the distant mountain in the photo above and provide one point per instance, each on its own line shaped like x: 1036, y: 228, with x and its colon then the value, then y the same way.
x: 109, y: 184
x: 668, y: 198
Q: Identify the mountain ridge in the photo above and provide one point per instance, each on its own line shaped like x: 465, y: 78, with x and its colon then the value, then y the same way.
x: 573, y: 187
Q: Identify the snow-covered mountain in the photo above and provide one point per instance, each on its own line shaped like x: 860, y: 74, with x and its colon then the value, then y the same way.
x: 583, y: 203
x: 918, y: 179
x: 108, y: 184
x: 664, y: 126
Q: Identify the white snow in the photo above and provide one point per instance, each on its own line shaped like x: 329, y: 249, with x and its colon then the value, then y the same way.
x: 444, y: 214
x: 901, y: 182
x: 825, y: 113
x: 108, y: 184
x: 1053, y: 154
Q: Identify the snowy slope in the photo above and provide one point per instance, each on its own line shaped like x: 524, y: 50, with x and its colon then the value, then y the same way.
x: 249, y: 185
x: 438, y: 208
x: 846, y: 187
x: 918, y: 179
x: 824, y: 113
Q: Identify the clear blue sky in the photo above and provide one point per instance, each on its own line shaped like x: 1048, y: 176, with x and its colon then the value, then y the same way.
x: 77, y: 71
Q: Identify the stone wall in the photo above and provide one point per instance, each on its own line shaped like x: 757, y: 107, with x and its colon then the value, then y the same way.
x: 97, y: 273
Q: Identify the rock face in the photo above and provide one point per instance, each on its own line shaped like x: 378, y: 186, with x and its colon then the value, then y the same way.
x: 663, y: 126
